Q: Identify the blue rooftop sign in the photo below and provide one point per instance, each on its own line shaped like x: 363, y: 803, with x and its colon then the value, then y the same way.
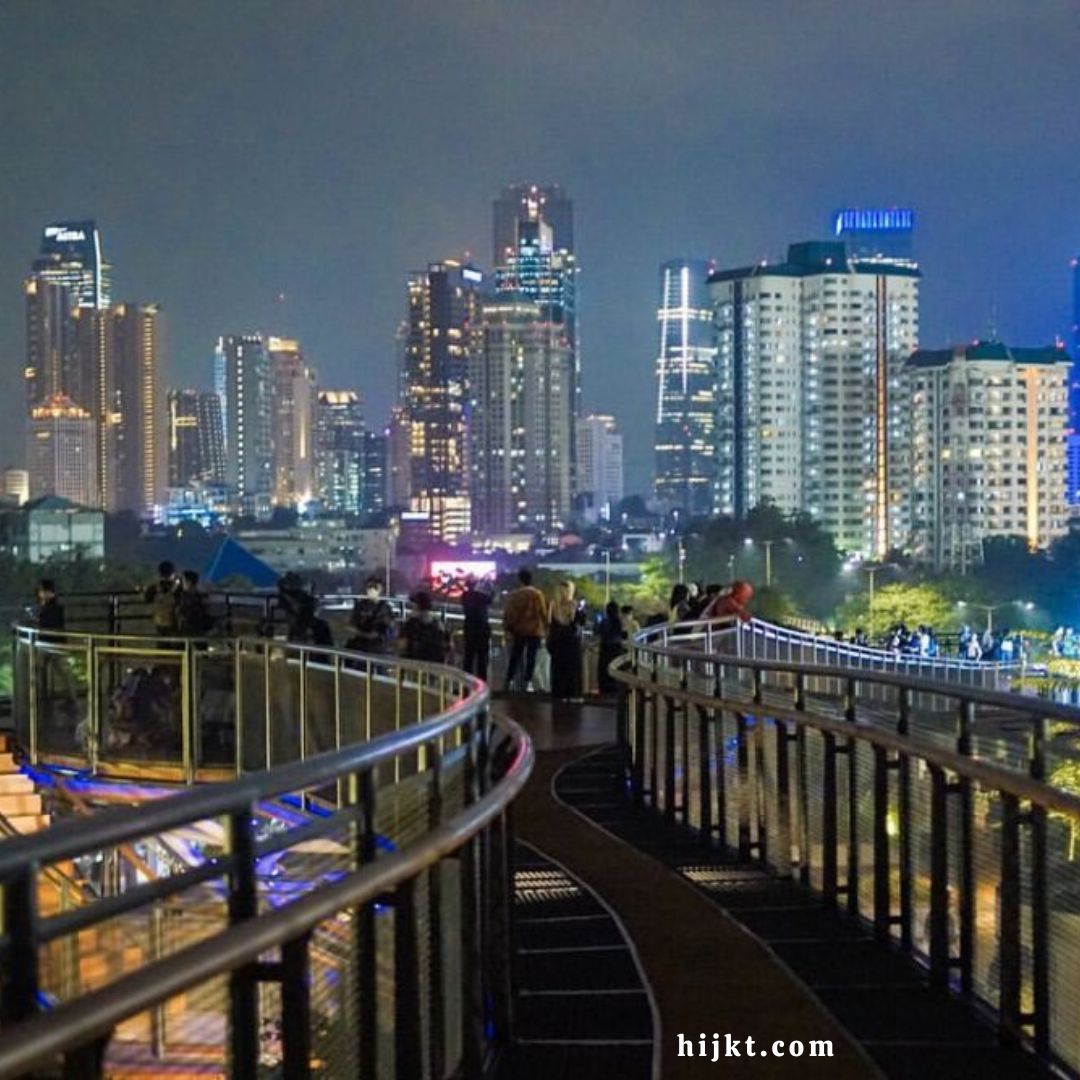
x: 893, y: 221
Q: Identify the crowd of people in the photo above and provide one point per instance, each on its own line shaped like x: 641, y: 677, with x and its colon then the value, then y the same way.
x: 1003, y: 646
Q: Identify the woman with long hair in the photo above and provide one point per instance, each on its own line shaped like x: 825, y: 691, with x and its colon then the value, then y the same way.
x: 564, y: 643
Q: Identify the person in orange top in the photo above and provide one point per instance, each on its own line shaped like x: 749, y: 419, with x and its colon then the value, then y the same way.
x: 525, y: 620
x: 731, y: 601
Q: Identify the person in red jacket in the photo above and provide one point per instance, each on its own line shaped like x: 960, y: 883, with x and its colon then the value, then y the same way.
x: 732, y: 601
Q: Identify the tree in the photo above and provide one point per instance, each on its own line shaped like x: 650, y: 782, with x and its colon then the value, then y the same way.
x: 921, y: 604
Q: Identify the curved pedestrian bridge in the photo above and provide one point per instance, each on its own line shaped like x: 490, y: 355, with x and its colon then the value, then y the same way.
x: 748, y: 842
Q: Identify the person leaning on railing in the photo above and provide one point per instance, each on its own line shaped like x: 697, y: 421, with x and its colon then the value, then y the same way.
x: 161, y: 596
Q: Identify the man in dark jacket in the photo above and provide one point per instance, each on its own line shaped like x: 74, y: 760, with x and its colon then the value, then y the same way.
x: 50, y: 612
x: 475, y: 603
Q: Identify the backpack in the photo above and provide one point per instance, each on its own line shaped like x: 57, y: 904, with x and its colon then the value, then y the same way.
x: 162, y: 601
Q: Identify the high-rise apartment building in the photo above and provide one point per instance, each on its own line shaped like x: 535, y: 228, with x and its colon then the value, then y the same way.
x: 685, y: 434
x: 243, y: 380
x: 599, y: 467
x: 196, y: 440
x: 1072, y: 468
x: 810, y: 405
x: 443, y: 311
x: 339, y: 451
x: 988, y: 435
x: 61, y: 452
x: 520, y: 379
x: 294, y: 421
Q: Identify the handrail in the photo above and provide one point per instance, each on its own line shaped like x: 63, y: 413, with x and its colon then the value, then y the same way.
x: 1041, y: 707
x: 35, y: 1042
x: 928, y: 809
x: 424, y: 763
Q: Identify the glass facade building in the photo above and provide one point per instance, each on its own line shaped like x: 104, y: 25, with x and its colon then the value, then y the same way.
x: 685, y: 435
x: 340, y: 451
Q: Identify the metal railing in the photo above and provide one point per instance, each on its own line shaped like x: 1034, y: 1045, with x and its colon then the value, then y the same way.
x: 944, y: 815
x: 347, y: 911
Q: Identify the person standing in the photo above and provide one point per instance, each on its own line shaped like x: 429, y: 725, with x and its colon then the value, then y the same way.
x: 162, y: 596
x: 525, y: 620
x: 423, y: 636
x: 50, y: 612
x: 564, y: 643
x: 612, y: 644
x: 372, y: 621
x: 192, y: 615
x: 475, y: 603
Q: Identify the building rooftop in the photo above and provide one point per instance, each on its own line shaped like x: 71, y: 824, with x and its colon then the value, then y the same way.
x: 820, y: 257
x: 56, y: 502
x: 990, y: 350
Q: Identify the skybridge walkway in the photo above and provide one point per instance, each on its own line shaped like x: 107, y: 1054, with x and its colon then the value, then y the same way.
x: 765, y: 834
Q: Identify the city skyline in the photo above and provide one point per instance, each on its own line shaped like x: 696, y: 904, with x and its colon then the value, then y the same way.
x: 334, y: 230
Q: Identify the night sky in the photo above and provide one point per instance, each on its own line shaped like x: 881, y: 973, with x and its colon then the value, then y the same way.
x: 281, y: 166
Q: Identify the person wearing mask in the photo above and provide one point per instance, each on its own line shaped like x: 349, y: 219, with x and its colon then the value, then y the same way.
x: 192, y: 615
x: 372, y: 621
x: 162, y: 596
x: 475, y: 603
x: 423, y: 636
x: 564, y: 643
x: 612, y: 644
x: 525, y: 620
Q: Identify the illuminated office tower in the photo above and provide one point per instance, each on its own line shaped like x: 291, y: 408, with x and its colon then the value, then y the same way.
x: 599, y: 466
x: 69, y: 274
x: 685, y: 433
x: 1072, y: 468
x: 339, y: 451
x: 810, y: 395
x: 61, y: 452
x: 521, y: 418
x: 196, y: 441
x: 526, y: 202
x: 373, y: 497
x: 133, y: 421
x: 243, y: 379
x: 294, y: 419
x: 70, y: 256
x: 988, y: 433
x: 443, y: 308
x: 17, y: 486
x: 398, y: 466
x: 535, y: 260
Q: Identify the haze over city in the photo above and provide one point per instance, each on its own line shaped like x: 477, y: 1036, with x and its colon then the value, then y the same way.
x: 282, y: 167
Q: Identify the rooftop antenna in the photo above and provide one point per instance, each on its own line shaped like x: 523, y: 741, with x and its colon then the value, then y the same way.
x: 993, y: 319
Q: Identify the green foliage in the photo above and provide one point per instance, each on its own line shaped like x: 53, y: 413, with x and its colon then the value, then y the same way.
x: 915, y: 604
x: 773, y: 605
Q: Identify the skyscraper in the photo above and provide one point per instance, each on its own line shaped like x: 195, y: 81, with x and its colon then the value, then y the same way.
x: 71, y: 256
x: 61, y: 452
x: 535, y: 260
x: 373, y: 499
x: 294, y: 419
x: 988, y: 442
x: 196, y: 441
x: 685, y: 436
x: 243, y: 379
x: 443, y: 306
x: 527, y: 202
x: 1072, y: 469
x: 599, y: 466
x: 133, y: 422
x: 398, y: 459
x: 810, y: 370
x: 339, y: 451
x: 520, y: 385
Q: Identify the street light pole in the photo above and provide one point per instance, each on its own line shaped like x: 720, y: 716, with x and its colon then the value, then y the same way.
x: 607, y: 577
x: 768, y: 562
x: 682, y: 562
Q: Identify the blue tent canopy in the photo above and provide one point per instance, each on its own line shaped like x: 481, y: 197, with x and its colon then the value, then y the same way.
x: 234, y: 560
